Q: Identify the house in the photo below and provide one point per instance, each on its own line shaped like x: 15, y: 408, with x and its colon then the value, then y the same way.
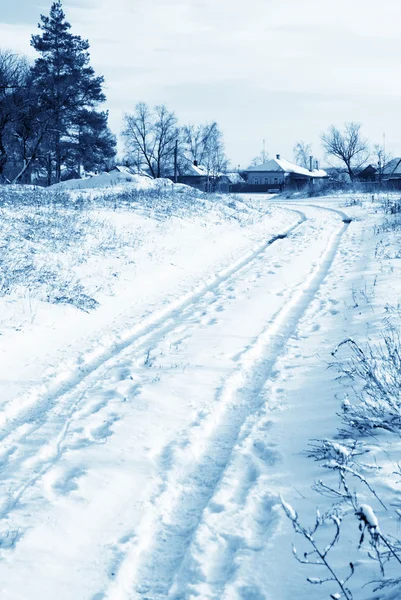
x: 228, y: 182
x: 389, y: 176
x: 278, y: 173
x: 195, y: 175
x: 392, y: 174
x: 368, y: 174
x: 198, y: 176
x: 129, y: 170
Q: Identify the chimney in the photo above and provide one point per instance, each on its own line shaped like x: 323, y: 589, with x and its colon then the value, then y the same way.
x: 278, y: 156
x: 311, y: 163
x: 195, y: 163
x: 317, y: 165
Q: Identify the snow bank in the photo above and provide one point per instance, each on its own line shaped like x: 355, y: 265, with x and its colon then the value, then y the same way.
x: 107, y: 180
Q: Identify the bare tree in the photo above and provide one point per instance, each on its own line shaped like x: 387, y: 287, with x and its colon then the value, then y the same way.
x: 204, y: 145
x: 261, y: 158
x: 150, y: 137
x: 197, y: 140
x: 13, y: 70
x: 382, y: 159
x: 302, y: 153
x: 348, y: 146
x: 215, y: 159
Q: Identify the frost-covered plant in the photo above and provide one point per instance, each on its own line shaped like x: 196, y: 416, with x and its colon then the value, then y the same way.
x: 383, y: 548
x: 319, y: 556
x: 44, y: 241
x: 343, y: 459
x: 391, y: 206
x: 375, y: 370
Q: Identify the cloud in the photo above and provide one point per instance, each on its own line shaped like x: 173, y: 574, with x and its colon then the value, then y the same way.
x: 265, y: 69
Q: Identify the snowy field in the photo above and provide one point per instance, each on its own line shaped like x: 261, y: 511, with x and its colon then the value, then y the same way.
x: 164, y: 366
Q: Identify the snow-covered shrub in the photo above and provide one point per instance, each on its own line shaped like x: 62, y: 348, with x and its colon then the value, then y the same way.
x: 319, y: 555
x: 372, y: 406
x: 375, y: 373
x: 391, y: 206
x: 45, y: 240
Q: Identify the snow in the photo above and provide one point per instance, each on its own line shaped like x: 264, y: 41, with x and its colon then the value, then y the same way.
x: 366, y: 514
x: 280, y: 164
x: 147, y: 441
x: 112, y: 179
x: 288, y: 509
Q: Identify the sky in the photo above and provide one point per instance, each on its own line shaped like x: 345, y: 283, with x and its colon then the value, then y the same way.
x: 275, y: 70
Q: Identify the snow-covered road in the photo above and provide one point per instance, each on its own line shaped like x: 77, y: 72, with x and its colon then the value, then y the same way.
x: 127, y: 478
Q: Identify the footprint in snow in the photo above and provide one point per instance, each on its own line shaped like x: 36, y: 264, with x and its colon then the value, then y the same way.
x: 265, y: 452
x: 121, y: 374
x: 216, y: 507
x: 68, y: 482
x: 251, y: 592
x: 102, y: 432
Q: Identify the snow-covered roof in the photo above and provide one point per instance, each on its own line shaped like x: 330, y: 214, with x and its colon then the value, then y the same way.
x: 129, y: 170
x: 194, y: 170
x: 393, y: 167
x: 233, y: 177
x: 123, y: 169
x: 282, y: 165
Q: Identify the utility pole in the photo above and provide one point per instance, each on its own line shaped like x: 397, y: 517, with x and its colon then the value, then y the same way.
x: 175, y: 160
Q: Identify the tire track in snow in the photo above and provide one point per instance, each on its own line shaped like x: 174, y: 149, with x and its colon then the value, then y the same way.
x: 194, y: 466
x: 23, y: 418
x: 19, y: 410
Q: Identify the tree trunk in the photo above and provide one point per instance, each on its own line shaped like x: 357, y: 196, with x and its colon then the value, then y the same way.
x: 49, y: 169
x: 22, y: 172
x: 350, y: 172
x: 58, y: 158
x: 3, y: 158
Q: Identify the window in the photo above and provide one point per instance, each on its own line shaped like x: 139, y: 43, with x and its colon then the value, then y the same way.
x: 266, y: 180
x: 256, y: 181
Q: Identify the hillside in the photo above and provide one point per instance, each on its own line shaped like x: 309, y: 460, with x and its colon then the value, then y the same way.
x: 164, y: 368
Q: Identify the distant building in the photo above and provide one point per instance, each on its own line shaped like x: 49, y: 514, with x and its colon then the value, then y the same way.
x: 192, y: 174
x: 199, y: 177
x: 390, y: 176
x: 277, y: 174
x: 392, y: 173
x: 129, y: 170
x: 228, y: 182
x: 369, y: 173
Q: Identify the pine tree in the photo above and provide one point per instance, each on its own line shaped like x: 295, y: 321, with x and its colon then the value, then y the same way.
x: 92, y: 145
x: 68, y: 82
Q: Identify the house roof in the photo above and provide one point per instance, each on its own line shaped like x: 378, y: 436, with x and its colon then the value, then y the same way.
x: 200, y: 170
x: 393, y: 168
x: 193, y: 170
x: 281, y: 165
x: 369, y: 169
x: 122, y: 169
x: 129, y: 170
x: 233, y: 177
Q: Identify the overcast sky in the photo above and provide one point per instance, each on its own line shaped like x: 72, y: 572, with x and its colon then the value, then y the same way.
x: 279, y: 70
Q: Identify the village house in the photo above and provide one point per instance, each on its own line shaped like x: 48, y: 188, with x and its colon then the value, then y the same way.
x: 199, y: 177
x: 278, y: 173
x: 390, y: 175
